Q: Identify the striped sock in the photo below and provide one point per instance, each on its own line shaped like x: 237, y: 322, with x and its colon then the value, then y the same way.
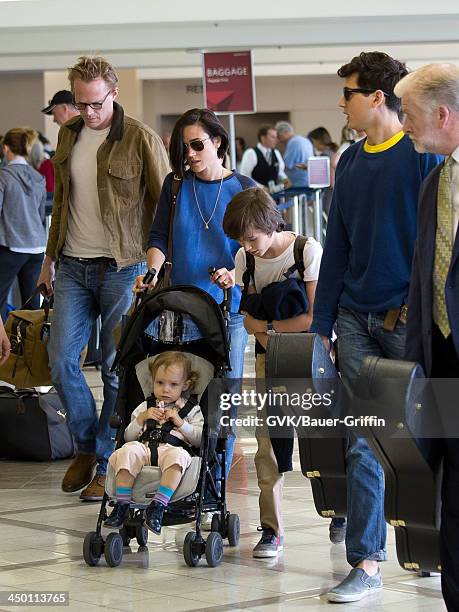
x: 163, y: 495
x: 123, y: 494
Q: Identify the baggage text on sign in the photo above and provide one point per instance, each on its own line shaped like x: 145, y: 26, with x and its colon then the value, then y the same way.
x: 227, y: 72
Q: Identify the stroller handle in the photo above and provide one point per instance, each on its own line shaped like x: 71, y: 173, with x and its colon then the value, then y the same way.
x: 149, y: 276
x: 227, y: 295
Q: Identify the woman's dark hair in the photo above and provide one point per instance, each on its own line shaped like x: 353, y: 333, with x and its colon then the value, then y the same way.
x: 20, y: 140
x: 252, y: 208
x: 210, y: 124
x: 377, y: 70
x: 323, y: 135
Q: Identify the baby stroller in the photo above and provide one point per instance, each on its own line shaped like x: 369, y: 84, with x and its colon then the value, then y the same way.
x: 203, y: 486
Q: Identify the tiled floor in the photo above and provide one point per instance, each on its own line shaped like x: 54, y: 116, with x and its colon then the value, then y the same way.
x: 42, y: 531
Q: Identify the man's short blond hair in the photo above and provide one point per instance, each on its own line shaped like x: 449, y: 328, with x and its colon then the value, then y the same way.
x: 91, y: 68
x: 432, y: 86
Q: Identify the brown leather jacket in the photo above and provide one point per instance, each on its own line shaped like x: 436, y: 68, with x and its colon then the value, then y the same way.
x: 131, y: 166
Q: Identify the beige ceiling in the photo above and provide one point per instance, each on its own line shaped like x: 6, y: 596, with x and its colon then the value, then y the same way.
x: 163, y: 39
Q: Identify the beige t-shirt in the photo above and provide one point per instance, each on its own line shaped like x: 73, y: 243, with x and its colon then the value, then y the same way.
x: 86, y: 236
x: 272, y: 270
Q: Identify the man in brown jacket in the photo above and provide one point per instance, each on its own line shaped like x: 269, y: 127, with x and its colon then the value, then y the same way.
x: 109, y: 170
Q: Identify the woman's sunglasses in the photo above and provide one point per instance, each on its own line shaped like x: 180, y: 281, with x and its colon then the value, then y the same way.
x: 196, y: 145
x: 348, y: 91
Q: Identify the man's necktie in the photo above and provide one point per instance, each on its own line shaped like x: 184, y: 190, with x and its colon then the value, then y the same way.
x: 443, y: 247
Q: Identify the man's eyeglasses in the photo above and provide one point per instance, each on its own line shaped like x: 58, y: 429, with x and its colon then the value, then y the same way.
x: 81, y: 106
x: 348, y: 91
x: 196, y: 145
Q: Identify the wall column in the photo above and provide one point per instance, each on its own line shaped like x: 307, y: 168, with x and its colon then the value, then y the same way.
x: 131, y: 94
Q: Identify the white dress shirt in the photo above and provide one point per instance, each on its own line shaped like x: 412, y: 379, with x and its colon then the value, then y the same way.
x: 250, y: 160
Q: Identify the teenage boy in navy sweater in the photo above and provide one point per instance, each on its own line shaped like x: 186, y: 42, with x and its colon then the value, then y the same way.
x: 364, y: 281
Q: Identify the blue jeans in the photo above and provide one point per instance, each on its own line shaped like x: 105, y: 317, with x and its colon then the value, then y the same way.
x: 80, y: 295
x: 26, y: 266
x: 239, y: 339
x: 361, y: 335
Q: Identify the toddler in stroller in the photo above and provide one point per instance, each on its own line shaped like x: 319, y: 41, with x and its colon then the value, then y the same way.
x: 197, y: 486
x: 163, y: 431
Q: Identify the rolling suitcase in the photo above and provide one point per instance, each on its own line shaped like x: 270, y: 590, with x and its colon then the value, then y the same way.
x: 322, y: 452
x: 397, y: 392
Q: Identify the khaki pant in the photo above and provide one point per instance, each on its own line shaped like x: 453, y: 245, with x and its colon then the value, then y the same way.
x: 270, y: 482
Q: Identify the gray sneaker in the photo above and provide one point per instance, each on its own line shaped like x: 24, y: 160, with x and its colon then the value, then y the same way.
x: 337, y: 530
x: 269, y: 545
x: 206, y: 521
x: 357, y: 585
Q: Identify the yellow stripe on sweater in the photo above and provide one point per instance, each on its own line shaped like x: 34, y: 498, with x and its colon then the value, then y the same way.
x: 383, y: 146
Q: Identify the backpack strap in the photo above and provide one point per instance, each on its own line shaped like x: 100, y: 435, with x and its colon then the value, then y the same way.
x: 298, y: 266
x: 175, y: 188
x: 249, y: 273
x: 298, y: 249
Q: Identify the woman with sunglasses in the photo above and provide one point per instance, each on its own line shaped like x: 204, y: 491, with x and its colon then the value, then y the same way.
x: 198, y: 147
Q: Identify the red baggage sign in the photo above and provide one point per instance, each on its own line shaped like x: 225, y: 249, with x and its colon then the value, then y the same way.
x: 229, y: 82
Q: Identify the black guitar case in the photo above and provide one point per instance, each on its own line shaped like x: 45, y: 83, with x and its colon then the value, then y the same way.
x: 300, y: 361
x: 397, y: 392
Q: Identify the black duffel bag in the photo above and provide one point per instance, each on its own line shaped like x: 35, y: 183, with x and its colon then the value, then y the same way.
x: 33, y: 426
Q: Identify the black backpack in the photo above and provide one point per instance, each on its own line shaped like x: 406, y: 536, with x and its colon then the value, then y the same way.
x: 298, y: 266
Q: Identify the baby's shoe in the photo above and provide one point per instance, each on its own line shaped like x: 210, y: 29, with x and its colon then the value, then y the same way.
x: 118, y: 515
x: 154, y: 516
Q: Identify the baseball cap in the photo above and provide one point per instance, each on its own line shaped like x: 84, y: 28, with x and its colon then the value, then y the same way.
x: 61, y: 97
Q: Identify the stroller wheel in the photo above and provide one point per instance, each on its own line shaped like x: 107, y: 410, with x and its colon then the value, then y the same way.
x: 190, y: 553
x: 214, y: 549
x: 124, y: 533
x: 113, y: 549
x: 93, y: 547
x: 141, y: 534
x: 215, y: 525
x: 233, y: 529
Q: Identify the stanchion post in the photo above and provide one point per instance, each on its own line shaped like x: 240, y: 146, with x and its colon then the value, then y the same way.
x: 296, y: 215
x: 232, y: 135
x: 318, y: 217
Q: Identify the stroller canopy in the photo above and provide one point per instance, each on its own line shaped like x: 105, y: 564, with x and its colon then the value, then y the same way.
x: 192, y: 301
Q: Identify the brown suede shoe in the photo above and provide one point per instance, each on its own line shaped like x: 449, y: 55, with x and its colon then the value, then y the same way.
x: 95, y: 489
x: 79, y: 474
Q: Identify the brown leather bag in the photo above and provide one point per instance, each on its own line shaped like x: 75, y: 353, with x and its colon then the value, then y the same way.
x: 28, y: 332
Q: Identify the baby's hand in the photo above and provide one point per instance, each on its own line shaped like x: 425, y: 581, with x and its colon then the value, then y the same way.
x: 171, y: 414
x: 155, y: 413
